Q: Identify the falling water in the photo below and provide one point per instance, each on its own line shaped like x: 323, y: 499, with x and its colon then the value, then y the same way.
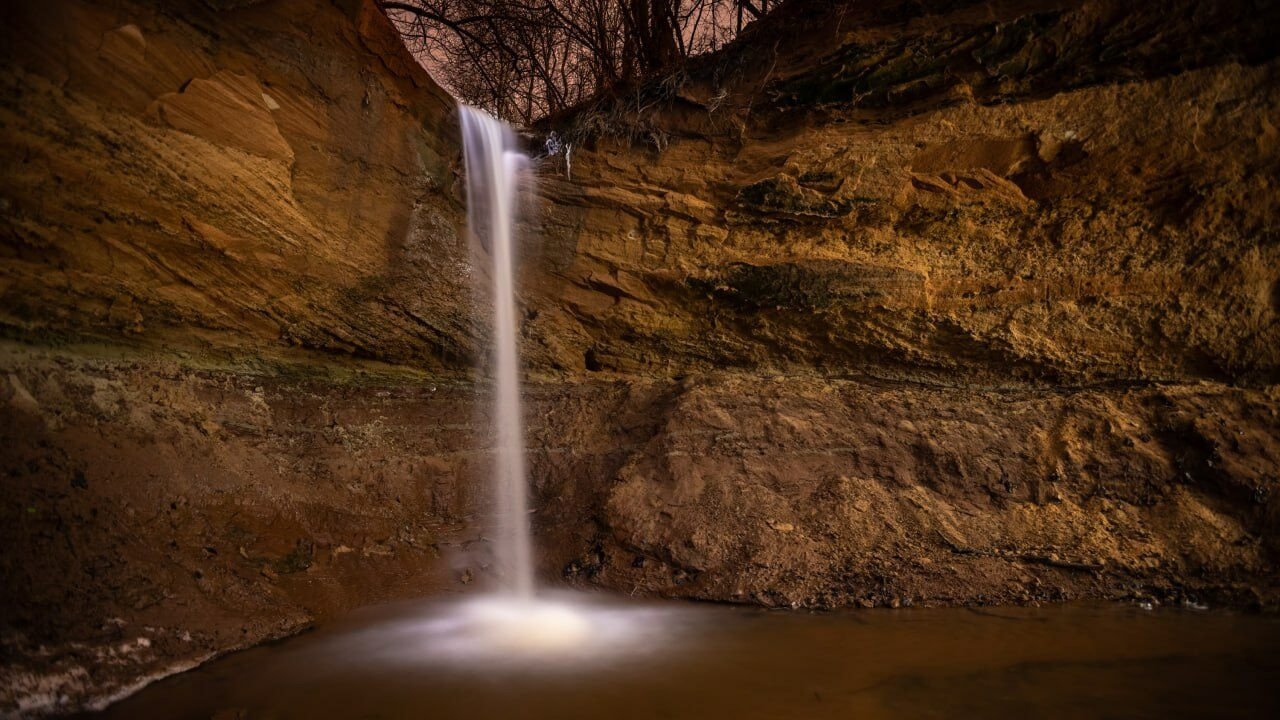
x: 495, y: 167
x: 515, y: 622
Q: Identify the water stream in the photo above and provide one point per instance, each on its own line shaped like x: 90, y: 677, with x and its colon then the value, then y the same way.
x: 495, y: 170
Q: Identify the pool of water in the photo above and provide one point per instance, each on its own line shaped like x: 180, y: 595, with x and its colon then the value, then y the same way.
x: 585, y: 657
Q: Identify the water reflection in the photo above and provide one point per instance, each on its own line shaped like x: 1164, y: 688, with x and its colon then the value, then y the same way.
x: 583, y: 657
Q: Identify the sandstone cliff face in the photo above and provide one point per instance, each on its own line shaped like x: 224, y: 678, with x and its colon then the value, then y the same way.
x: 953, y: 302
x: 210, y: 212
x: 986, y: 274
x: 992, y: 191
x: 252, y: 176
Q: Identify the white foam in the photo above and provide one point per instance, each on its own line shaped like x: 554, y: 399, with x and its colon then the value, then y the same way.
x: 540, y: 633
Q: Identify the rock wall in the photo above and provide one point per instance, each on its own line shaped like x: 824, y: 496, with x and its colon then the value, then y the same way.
x: 984, y: 192
x: 236, y: 312
x: 889, y: 303
x: 985, y: 273
x: 806, y: 492
x: 248, y: 176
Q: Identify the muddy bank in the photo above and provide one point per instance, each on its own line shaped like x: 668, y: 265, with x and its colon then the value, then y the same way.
x: 159, y: 513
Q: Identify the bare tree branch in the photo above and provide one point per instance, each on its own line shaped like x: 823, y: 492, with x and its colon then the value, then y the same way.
x: 524, y: 59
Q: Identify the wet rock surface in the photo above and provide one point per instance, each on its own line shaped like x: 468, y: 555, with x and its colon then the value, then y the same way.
x: 947, y: 303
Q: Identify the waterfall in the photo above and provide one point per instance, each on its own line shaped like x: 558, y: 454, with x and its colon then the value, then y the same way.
x: 495, y: 168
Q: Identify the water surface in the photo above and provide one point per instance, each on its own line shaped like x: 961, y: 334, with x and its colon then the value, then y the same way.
x: 675, y: 660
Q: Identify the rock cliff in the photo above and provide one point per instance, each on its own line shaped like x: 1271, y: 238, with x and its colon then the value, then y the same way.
x: 949, y: 191
x: 225, y: 225
x: 941, y: 288
x: 886, y: 304
x: 245, y: 176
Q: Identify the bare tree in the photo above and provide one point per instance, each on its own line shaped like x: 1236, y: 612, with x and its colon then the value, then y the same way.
x: 524, y: 59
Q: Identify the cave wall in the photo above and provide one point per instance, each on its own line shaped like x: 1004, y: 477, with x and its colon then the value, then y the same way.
x: 946, y: 302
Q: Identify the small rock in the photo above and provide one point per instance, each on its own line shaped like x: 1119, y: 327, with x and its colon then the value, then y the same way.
x: 21, y: 397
